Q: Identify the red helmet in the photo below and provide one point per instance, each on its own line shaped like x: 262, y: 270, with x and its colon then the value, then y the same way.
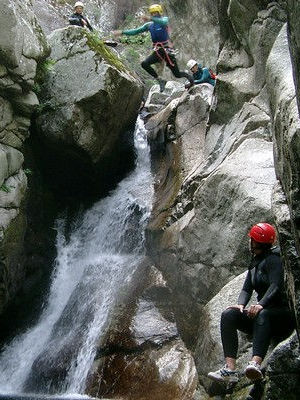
x: 263, y: 233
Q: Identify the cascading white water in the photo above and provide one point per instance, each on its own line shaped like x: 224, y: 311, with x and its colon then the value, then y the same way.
x: 92, y: 267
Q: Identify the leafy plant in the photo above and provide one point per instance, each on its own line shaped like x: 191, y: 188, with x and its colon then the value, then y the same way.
x: 97, y: 44
x: 42, y: 69
x: 28, y: 171
x: 4, y: 188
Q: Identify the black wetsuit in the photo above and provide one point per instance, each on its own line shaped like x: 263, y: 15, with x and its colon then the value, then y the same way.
x: 275, y: 320
x: 77, y: 19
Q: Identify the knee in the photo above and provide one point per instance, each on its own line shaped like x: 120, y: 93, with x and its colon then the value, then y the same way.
x: 229, y: 314
x: 144, y: 64
x: 263, y: 317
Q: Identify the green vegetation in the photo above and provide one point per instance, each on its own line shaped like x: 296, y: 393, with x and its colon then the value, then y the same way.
x: 142, y: 38
x: 96, y: 44
x: 45, y: 106
x: 4, y: 188
x: 42, y: 69
x: 28, y: 171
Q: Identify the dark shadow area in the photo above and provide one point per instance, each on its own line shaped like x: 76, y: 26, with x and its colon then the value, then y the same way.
x: 73, y: 178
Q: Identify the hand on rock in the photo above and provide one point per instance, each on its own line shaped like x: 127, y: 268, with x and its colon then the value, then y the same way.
x: 188, y: 85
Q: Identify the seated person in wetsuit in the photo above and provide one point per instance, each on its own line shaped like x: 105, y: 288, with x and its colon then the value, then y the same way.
x: 77, y: 18
x: 269, y: 318
x: 157, y: 25
x: 200, y: 75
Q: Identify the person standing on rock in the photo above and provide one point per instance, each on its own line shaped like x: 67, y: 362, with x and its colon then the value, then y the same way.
x: 200, y: 75
x: 269, y: 318
x: 77, y: 18
x: 163, y: 50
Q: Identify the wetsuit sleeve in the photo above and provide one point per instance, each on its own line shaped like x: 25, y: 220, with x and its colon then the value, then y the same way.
x: 246, y: 291
x: 136, y: 31
x: 89, y: 25
x: 204, y: 78
x: 275, y: 276
x: 164, y: 21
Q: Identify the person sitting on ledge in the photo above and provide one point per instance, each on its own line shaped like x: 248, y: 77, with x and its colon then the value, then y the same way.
x: 269, y: 318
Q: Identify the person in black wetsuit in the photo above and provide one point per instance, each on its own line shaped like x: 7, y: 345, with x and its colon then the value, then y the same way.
x: 77, y: 18
x: 163, y: 50
x: 269, y: 318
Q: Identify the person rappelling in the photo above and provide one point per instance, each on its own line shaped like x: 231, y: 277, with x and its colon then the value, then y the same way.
x: 157, y: 25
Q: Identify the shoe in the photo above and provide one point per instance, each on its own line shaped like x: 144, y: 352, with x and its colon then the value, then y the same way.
x: 188, y: 85
x: 253, y: 371
x: 162, y: 84
x: 224, y: 375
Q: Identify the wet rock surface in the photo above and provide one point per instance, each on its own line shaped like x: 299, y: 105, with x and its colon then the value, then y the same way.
x: 143, y: 356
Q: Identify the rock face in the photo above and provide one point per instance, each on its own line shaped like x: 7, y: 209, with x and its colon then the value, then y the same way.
x: 22, y: 45
x: 143, y: 357
x: 89, y: 101
x: 195, y: 30
x: 198, y: 232
x: 288, y: 147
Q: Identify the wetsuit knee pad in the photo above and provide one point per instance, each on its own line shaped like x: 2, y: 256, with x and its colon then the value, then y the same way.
x: 144, y: 64
x: 263, y: 317
x: 230, y: 314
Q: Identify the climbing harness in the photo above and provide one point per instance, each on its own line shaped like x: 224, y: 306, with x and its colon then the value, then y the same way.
x: 167, y: 50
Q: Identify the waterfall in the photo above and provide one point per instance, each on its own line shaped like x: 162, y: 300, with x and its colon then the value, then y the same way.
x: 93, y: 267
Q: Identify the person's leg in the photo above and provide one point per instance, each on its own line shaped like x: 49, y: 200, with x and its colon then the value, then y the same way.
x: 232, y: 320
x: 271, y: 322
x: 261, y: 342
x: 146, y: 64
x: 174, y: 68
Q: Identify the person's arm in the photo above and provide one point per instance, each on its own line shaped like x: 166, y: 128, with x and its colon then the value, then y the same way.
x: 275, y: 275
x: 136, y: 31
x: 89, y: 25
x: 204, y: 78
x: 246, y: 292
x: 163, y: 21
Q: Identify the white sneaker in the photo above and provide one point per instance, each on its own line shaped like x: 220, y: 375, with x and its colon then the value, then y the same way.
x: 253, y: 371
x: 224, y: 375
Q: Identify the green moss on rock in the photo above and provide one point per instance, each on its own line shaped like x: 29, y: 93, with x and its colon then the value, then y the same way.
x: 99, y: 47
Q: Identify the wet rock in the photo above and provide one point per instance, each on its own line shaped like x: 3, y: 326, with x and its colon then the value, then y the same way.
x: 143, y: 357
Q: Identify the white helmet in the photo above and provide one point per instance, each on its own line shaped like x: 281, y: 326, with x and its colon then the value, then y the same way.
x: 78, y: 4
x: 191, y: 63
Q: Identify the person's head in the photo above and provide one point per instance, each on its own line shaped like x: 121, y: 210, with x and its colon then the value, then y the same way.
x: 192, y: 65
x: 78, y: 7
x: 156, y: 10
x: 262, y: 237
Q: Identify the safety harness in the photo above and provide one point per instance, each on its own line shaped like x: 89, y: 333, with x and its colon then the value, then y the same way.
x: 167, y: 51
